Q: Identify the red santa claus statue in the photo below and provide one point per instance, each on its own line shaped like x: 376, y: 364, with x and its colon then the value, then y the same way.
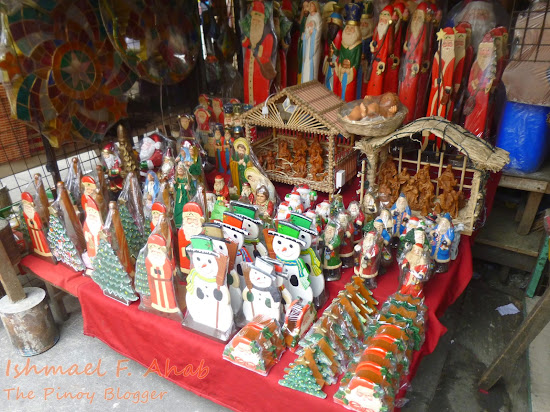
x: 113, y: 166
x: 39, y: 243
x: 160, y: 275
x: 150, y: 153
x: 381, y: 49
x: 414, y: 271
x: 192, y: 220
x: 93, y: 225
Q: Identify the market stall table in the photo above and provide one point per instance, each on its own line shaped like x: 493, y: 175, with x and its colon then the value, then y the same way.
x: 146, y: 338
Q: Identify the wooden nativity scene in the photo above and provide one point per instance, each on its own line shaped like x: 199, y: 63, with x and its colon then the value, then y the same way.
x: 297, y: 138
x: 438, y: 166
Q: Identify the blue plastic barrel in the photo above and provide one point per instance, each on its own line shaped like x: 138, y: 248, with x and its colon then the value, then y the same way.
x: 524, y: 132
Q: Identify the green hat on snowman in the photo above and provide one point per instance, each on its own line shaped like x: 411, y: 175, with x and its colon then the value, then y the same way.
x: 303, y: 222
x: 202, y: 244
x: 288, y: 231
x: 247, y: 211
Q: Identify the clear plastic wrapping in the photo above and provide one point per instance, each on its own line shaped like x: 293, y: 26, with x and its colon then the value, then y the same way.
x: 130, y: 204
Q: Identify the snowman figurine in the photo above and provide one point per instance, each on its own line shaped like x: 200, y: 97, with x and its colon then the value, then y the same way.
x: 253, y: 226
x: 260, y: 295
x: 233, y: 232
x: 208, y: 300
x: 310, y: 258
x: 287, y: 247
x: 276, y: 267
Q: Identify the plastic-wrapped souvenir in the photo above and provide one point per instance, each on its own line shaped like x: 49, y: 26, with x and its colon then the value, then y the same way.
x: 167, y: 169
x: 93, y: 226
x: 94, y: 189
x: 113, y: 166
x: 155, y: 270
x: 65, y: 235
x: 72, y: 183
x: 298, y: 320
x: 192, y: 218
x: 287, y: 247
x: 442, y: 237
x: 151, y: 188
x: 310, y: 257
x: 261, y: 296
x: 370, y: 254
x: 257, y: 347
x: 208, y: 300
x: 37, y: 228
x: 346, y: 244
x: 254, y: 227
x: 259, y: 68
x: 331, y: 239
x: 400, y: 212
x: 415, y: 271
x: 151, y: 152
x: 131, y: 209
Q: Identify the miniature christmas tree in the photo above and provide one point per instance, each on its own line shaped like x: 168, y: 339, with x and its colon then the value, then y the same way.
x: 111, y: 276
x: 61, y: 245
x: 134, y: 237
x: 300, y: 378
x: 141, y: 281
x: 23, y: 227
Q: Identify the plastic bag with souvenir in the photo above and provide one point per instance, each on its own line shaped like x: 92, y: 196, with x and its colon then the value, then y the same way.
x: 130, y: 204
x: 330, y: 242
x: 151, y: 190
x: 258, y: 346
x: 72, y: 182
x: 155, y: 279
x: 95, y: 185
x: 151, y: 150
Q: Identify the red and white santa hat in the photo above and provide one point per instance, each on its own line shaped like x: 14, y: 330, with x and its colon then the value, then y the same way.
x: 27, y: 197
x: 88, y: 180
x: 155, y: 137
x: 192, y: 209
x: 158, y: 208
x: 156, y: 240
x: 109, y: 148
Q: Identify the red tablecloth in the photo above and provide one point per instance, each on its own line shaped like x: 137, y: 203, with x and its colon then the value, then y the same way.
x: 145, y: 337
x: 59, y: 275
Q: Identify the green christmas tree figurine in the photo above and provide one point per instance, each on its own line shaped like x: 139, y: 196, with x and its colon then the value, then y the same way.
x: 141, y: 281
x: 61, y: 245
x: 111, y: 276
x: 300, y: 378
x: 134, y: 237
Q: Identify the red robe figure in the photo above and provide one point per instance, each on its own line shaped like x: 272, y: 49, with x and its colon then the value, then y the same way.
x: 366, y: 26
x: 39, y: 242
x: 416, y: 59
x: 160, y: 275
x: 381, y: 48
x: 259, y: 47
x: 424, y: 87
x: 399, y: 29
x: 500, y: 49
x: 150, y: 154
x: 93, y: 225
x: 414, y: 271
x: 220, y: 188
x: 468, y: 61
x: 481, y: 79
x: 217, y: 110
x: 331, y: 48
x: 460, y: 56
x: 349, y: 55
x: 112, y: 166
x: 192, y: 220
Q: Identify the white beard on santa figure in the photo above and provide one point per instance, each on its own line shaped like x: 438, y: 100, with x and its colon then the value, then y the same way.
x: 350, y: 36
x: 147, y: 149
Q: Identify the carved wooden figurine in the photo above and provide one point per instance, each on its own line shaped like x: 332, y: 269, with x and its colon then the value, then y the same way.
x: 37, y: 229
x: 442, y: 240
x: 349, y: 55
x: 381, y: 49
x: 311, y: 43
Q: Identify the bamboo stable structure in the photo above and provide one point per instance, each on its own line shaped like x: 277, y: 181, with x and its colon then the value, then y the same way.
x: 311, y: 109
x: 472, y: 160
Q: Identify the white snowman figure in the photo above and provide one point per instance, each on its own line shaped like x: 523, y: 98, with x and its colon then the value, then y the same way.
x: 294, y: 201
x: 287, y: 245
x: 310, y: 258
x: 276, y: 267
x: 233, y: 232
x: 260, y: 295
x: 254, y: 228
x: 208, y: 300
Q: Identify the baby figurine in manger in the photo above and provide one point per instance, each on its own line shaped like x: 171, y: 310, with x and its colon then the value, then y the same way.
x: 372, y: 107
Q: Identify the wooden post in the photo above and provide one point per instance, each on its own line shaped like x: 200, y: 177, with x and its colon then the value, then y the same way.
x: 529, y: 329
x: 8, y: 277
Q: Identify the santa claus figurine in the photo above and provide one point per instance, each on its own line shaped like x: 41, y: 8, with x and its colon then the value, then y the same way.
x: 112, y: 164
x: 381, y: 49
x: 39, y: 243
x: 295, y: 201
x: 220, y: 188
x: 93, y: 225
x: 150, y: 153
x: 358, y: 219
x: 168, y: 170
x: 369, y: 261
x: 414, y: 271
x: 392, y: 77
x: 192, y: 220
x: 349, y: 55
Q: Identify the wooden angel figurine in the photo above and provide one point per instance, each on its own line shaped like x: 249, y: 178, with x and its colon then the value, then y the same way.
x: 369, y: 262
x: 442, y: 239
x: 208, y: 300
x: 330, y: 259
x: 414, y: 271
x: 37, y: 230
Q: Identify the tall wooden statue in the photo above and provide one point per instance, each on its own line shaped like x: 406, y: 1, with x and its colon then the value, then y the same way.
x: 260, y: 50
x: 367, y: 29
x: 311, y: 43
x: 349, y: 56
x: 482, y: 75
x: 425, y: 76
x: 37, y: 230
x: 468, y: 61
x: 460, y: 56
x: 381, y: 49
x: 416, y: 59
x: 442, y: 74
x: 332, y: 47
x: 399, y: 29
x: 303, y: 18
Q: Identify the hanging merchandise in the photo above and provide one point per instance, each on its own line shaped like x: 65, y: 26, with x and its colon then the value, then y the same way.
x: 35, y: 206
x: 130, y: 205
x: 65, y: 234
x: 311, y: 43
x: 63, y: 77
x: 208, y: 301
x: 159, y: 41
x: 260, y: 52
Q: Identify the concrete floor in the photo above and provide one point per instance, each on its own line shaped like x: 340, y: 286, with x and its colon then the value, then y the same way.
x: 446, y: 380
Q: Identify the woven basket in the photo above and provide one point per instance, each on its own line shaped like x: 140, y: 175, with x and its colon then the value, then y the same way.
x: 371, y: 128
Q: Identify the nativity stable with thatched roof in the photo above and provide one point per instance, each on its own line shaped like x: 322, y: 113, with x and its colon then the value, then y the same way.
x: 436, y: 143
x: 297, y: 137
